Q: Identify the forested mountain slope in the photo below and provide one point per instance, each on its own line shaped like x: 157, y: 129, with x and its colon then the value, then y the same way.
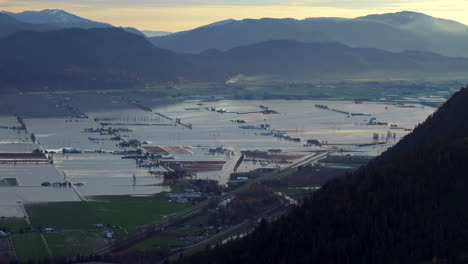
x: 85, y: 59
x: 109, y: 58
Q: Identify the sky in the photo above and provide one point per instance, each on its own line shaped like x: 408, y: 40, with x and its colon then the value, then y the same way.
x: 178, y: 15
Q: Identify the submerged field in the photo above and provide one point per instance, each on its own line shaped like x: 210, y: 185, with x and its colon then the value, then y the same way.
x: 94, y: 186
x: 153, y: 120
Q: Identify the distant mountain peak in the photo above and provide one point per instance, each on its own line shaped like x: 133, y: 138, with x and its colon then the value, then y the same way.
x: 51, y: 19
x: 219, y: 23
x: 408, y: 13
x: 397, y: 18
x: 54, y: 11
x: 417, y: 22
x: 50, y: 16
x: 57, y: 12
x: 7, y: 19
x: 6, y: 12
x: 337, y: 19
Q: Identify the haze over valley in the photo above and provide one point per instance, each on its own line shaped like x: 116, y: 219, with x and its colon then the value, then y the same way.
x: 399, y: 46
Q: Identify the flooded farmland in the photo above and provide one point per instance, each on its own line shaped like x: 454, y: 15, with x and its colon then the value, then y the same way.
x: 95, y: 142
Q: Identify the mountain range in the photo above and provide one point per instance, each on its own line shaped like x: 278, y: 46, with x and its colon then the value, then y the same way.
x: 48, y: 19
x: 102, y: 57
x: 57, y: 50
x: 56, y: 17
x: 392, y: 32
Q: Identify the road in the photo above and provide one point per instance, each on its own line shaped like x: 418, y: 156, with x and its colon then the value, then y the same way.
x: 186, y: 214
x: 273, y: 212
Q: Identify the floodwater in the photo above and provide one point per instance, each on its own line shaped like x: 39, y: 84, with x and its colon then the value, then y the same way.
x: 297, y: 118
x: 107, y: 174
x: 102, y: 173
x: 29, y: 189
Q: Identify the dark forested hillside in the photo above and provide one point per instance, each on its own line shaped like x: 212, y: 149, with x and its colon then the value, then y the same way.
x: 10, y: 25
x: 289, y: 59
x: 85, y: 59
x: 111, y: 58
x: 408, y: 206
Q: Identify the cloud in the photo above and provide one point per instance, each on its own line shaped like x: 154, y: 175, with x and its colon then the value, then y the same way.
x: 354, y: 4
x: 176, y: 15
x: 183, y: 18
x: 20, y: 5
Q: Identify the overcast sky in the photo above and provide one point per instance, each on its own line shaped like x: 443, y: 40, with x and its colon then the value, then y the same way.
x: 177, y: 15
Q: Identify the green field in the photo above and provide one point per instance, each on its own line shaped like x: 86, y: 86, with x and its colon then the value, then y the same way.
x: 122, y: 211
x: 363, y: 89
x: 74, y: 222
x: 129, y: 211
x: 181, y: 89
x: 29, y: 246
x: 13, y: 224
x: 72, y: 243
x: 63, y: 215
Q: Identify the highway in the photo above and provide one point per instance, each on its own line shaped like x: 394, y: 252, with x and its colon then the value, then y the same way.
x: 186, y: 214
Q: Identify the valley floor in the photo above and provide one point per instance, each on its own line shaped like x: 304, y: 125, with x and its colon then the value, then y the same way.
x: 140, y: 172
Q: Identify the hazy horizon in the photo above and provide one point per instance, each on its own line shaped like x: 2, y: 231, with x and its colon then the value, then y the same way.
x: 174, y: 16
